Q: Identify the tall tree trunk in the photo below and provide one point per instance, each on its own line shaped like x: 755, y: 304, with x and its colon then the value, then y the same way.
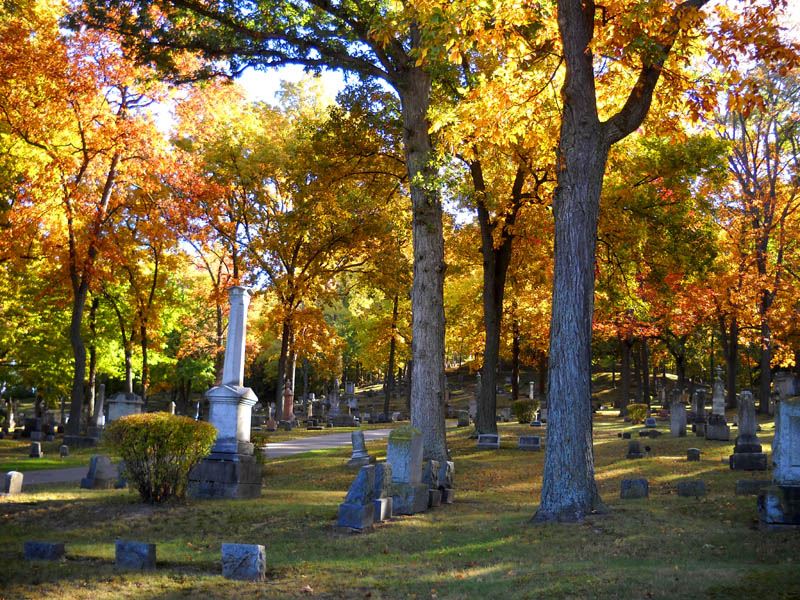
x: 219, y: 356
x: 625, y: 375
x: 79, y: 354
x: 496, y: 260
x: 281, y: 382
x: 143, y: 345
x: 765, y: 363
x: 514, y: 353
x: 645, y: 360
x: 542, y: 368
x: 427, y: 293
x: 729, y: 335
x: 569, y: 490
x: 92, y: 358
x: 389, y: 383
x: 637, y: 369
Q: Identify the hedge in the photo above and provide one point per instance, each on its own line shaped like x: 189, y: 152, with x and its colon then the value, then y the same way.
x: 159, y: 450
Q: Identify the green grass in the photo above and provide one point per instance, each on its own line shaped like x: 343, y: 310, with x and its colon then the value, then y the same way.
x: 480, y: 547
x: 14, y: 456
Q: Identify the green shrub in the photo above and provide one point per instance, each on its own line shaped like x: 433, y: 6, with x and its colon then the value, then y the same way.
x: 524, y: 410
x: 637, y: 412
x: 159, y: 450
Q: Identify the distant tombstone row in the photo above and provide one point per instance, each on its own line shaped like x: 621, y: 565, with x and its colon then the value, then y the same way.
x: 245, y: 562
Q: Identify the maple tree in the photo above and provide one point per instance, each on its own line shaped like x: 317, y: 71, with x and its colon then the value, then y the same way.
x: 760, y: 212
x: 73, y: 100
x: 376, y: 41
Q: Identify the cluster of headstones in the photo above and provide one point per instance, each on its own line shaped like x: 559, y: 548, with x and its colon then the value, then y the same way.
x: 403, y: 485
x: 778, y: 499
x: 102, y: 474
x: 246, y: 562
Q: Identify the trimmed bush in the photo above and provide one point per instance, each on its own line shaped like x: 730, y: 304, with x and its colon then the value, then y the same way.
x: 637, y: 412
x: 159, y: 450
x: 524, y: 410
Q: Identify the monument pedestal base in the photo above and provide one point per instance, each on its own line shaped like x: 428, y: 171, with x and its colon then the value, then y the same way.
x: 223, y: 475
x: 749, y: 461
x: 779, y: 507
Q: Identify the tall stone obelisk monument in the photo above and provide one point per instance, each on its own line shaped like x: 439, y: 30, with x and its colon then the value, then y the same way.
x: 231, y: 470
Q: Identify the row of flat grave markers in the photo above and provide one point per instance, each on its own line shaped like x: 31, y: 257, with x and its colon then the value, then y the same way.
x: 244, y: 562
x: 403, y: 485
x: 491, y: 441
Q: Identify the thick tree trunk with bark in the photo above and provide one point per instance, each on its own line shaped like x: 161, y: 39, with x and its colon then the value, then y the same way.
x: 496, y: 261
x: 79, y: 355
x: 569, y: 490
x: 514, y: 355
x: 427, y: 294
x: 765, y: 360
x: 625, y: 345
x: 282, y: 362
x: 729, y: 336
x: 389, y: 382
x: 645, y: 360
x: 92, y: 359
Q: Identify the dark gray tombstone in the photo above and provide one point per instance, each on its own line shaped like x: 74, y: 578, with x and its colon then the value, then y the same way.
x: 244, y: 562
x: 138, y: 556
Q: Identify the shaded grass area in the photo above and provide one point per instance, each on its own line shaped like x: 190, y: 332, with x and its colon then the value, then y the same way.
x: 481, y: 546
x: 14, y: 456
x: 268, y: 437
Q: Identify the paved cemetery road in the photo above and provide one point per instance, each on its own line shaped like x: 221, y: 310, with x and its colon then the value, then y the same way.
x: 320, y: 442
x: 276, y: 450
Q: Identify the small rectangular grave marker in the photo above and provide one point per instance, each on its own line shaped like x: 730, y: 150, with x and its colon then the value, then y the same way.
x: 43, y: 550
x: 530, y: 442
x: 139, y: 556
x: 12, y: 483
x: 488, y: 441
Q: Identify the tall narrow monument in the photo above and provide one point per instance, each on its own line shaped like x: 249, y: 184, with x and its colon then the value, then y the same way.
x: 231, y: 470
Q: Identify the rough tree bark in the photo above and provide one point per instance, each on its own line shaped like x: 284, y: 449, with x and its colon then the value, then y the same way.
x: 569, y: 490
x: 389, y: 381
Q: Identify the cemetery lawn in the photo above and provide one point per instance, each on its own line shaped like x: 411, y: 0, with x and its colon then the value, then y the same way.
x: 480, y: 547
x: 14, y: 456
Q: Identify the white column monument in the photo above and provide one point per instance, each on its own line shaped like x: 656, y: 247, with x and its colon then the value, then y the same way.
x: 230, y: 471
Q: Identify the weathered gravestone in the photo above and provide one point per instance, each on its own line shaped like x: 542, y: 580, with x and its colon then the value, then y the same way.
x: 360, y: 456
x: 716, y: 425
x: 747, y: 454
x: 779, y: 504
x: 404, y: 454
x: 12, y: 483
x: 101, y: 475
x: 358, y: 509
x: 137, y: 556
x: 244, y: 562
x: 751, y: 487
x: 463, y: 418
x: 36, y: 450
x: 693, y: 454
x: 430, y: 476
x: 634, y: 488
x: 488, y: 441
x: 634, y: 450
x: 447, y: 471
x: 677, y: 419
x: 63, y: 451
x: 34, y: 550
x: 231, y: 470
x: 530, y: 442
x: 650, y: 422
x: 692, y: 487
x: 699, y: 412
x: 383, y: 501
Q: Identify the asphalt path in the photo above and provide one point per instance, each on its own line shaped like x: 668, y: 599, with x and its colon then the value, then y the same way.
x: 276, y: 450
